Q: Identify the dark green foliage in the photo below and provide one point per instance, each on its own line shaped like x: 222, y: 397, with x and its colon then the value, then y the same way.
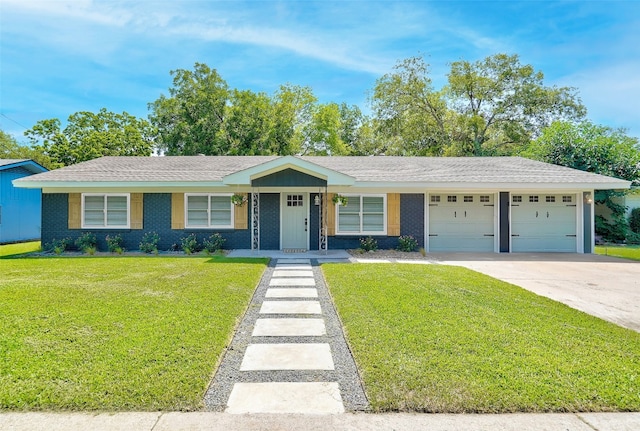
x: 190, y: 244
x: 87, y: 242
x: 58, y: 245
x: 634, y: 220
x: 115, y: 243
x: 214, y: 243
x: 149, y: 243
x: 407, y: 243
x: 368, y: 244
x: 89, y: 136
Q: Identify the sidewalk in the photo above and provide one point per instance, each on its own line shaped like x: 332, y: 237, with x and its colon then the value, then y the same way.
x: 208, y: 421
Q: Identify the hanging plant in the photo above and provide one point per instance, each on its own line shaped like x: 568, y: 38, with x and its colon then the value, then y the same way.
x: 238, y: 199
x: 340, y: 200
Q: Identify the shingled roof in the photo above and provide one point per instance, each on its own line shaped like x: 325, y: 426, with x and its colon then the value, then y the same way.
x: 378, y: 169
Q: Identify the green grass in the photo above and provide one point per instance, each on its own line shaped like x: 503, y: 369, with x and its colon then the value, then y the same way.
x: 20, y: 248
x: 117, y: 333
x: 626, y: 252
x: 446, y: 339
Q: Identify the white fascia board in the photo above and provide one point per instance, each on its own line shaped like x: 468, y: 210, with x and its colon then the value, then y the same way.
x: 245, y: 176
x: 88, y: 186
x: 617, y: 184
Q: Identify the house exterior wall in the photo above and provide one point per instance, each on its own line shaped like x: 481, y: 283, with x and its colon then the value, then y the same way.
x: 157, y: 218
x: 269, y: 222
x: 20, y: 209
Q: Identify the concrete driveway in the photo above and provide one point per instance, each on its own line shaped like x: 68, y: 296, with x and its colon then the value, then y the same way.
x: 603, y: 286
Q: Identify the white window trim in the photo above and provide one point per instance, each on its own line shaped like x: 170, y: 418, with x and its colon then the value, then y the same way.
x: 363, y: 232
x: 209, y: 226
x: 104, y: 226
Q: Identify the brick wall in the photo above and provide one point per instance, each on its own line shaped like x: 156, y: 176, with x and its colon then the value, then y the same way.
x: 157, y: 218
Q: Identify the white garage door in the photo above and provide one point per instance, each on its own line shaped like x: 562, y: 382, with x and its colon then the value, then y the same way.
x: 461, y: 222
x: 543, y: 223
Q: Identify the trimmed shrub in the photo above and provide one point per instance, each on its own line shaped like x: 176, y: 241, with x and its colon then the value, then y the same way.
x: 634, y: 220
x: 407, y: 243
x: 214, y: 243
x: 149, y: 243
x: 115, y: 244
x: 87, y: 243
x: 368, y: 244
x: 190, y: 244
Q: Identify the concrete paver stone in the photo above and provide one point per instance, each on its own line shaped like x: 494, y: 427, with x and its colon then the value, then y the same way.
x: 292, y: 273
x: 291, y: 307
x: 295, y: 292
x: 289, y: 327
x: 294, y: 260
x: 292, y: 281
x: 287, y: 356
x: 286, y: 397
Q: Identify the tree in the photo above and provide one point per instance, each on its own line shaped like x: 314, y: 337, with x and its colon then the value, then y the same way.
x: 501, y: 103
x: 409, y: 114
x: 293, y: 107
x: 490, y: 107
x: 88, y: 136
x: 190, y: 121
x: 11, y: 149
x: 597, y: 149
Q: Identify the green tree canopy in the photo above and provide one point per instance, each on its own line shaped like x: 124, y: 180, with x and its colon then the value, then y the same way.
x: 11, y: 149
x: 598, y: 149
x: 91, y: 135
x: 490, y: 107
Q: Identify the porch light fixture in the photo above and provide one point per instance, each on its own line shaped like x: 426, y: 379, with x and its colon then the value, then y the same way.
x: 588, y: 199
x: 316, y: 200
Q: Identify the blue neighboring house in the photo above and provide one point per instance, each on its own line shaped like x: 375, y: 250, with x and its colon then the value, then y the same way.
x: 20, y: 209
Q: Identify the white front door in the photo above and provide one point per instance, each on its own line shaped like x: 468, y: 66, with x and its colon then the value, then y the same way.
x: 295, y: 220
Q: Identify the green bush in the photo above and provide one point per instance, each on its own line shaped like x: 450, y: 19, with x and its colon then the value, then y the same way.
x: 368, y: 244
x: 190, y: 244
x: 115, y: 244
x: 407, y: 243
x: 634, y: 220
x: 87, y: 243
x: 58, y: 246
x: 214, y: 243
x: 149, y: 243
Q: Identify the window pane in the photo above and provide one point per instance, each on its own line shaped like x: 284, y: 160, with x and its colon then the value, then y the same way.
x: 352, y: 206
x: 197, y: 210
x: 93, y: 218
x: 349, y: 223
x: 220, y: 218
x: 94, y: 203
x: 221, y: 203
x: 116, y: 210
x: 372, y: 204
x: 373, y: 223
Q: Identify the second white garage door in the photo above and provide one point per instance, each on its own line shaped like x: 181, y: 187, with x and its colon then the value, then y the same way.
x: 461, y: 222
x: 543, y: 223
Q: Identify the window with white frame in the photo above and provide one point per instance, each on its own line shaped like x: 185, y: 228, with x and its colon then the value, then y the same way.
x: 363, y: 214
x: 208, y: 211
x: 106, y: 210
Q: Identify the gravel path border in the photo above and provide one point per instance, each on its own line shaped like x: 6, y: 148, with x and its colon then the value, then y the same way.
x: 345, y: 373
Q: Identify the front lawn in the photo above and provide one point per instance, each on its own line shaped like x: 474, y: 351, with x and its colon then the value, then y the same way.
x: 117, y: 333
x: 626, y: 252
x: 20, y: 248
x: 434, y: 338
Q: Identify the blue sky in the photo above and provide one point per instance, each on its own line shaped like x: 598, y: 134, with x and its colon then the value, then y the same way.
x: 58, y: 57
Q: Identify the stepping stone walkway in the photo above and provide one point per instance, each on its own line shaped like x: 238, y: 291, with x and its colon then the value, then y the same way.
x: 289, y: 354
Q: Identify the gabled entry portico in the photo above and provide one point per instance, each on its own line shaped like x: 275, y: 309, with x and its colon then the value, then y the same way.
x: 302, y: 187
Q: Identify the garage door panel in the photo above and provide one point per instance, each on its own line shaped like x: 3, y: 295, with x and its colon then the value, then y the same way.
x: 543, y: 223
x: 461, y: 223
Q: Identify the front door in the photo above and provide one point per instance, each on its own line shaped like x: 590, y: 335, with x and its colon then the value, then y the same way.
x: 295, y: 222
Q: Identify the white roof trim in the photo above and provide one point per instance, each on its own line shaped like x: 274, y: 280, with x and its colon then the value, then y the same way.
x: 244, y: 177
